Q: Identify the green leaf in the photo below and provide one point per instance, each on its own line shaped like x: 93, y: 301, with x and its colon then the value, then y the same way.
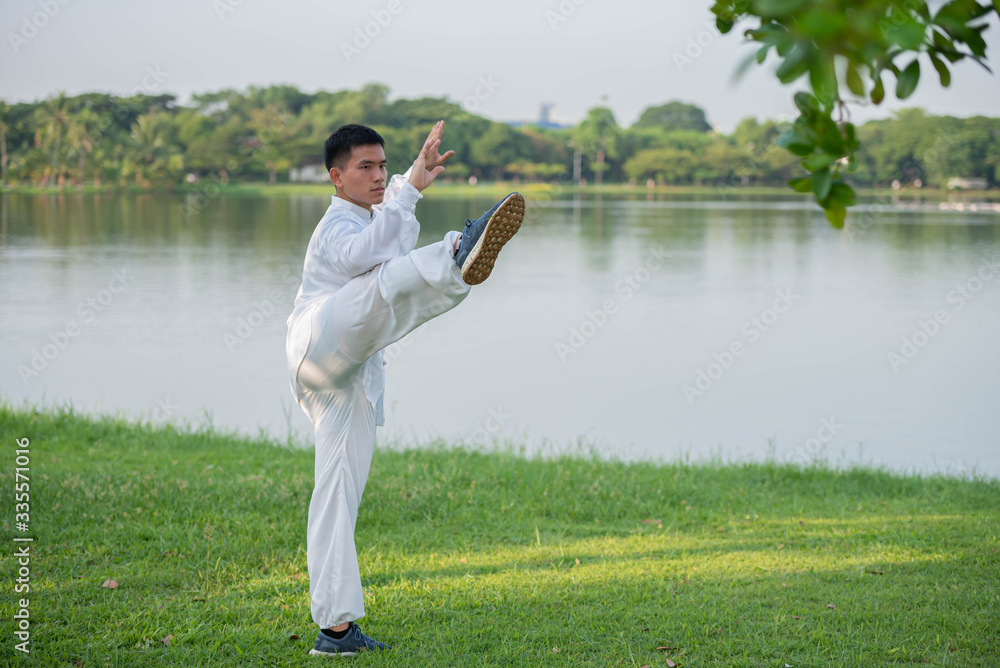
x: 906, y: 83
x: 806, y: 103
x: 946, y: 47
x: 823, y: 78
x: 843, y: 194
x: 777, y: 8
x: 819, y: 161
x: 822, y: 181
x: 850, y: 138
x: 762, y: 53
x: 854, y: 82
x: 802, y: 185
x: 836, y: 214
x: 942, y: 69
x: 723, y: 26
x: 791, y: 141
x: 829, y: 135
x: 795, y: 64
x: 878, y: 92
x: 909, y: 35
x: 822, y: 24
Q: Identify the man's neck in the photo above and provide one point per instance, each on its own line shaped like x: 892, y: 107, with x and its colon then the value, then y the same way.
x: 363, y: 205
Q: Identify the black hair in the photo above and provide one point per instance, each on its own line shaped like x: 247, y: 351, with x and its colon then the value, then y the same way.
x: 341, y: 143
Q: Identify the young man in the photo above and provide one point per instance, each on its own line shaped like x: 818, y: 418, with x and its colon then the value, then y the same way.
x: 363, y: 288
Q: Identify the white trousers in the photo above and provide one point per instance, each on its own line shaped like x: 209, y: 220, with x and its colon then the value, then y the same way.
x: 369, y: 313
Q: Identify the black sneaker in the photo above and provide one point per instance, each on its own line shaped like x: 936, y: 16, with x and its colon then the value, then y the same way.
x: 353, y: 643
x: 483, y: 238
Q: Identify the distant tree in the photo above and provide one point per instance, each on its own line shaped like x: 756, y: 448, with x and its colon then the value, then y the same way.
x: 496, y: 149
x: 598, y: 134
x: 4, y: 115
x: 663, y: 164
x: 51, y: 120
x: 674, y: 116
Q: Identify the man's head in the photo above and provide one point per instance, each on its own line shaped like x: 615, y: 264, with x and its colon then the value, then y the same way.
x: 355, y: 159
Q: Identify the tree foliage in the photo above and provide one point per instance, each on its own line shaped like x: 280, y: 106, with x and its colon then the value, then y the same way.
x: 871, y: 42
x: 258, y: 134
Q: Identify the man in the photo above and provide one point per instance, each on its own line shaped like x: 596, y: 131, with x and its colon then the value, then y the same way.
x: 363, y: 288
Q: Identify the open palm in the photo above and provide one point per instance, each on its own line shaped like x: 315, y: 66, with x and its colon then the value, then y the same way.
x: 429, y: 162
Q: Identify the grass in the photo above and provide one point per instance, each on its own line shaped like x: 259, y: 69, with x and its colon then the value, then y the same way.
x: 473, y: 558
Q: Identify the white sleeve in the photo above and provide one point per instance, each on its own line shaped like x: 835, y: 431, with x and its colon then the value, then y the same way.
x: 392, y: 233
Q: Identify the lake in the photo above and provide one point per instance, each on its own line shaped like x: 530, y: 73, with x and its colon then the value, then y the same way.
x: 638, y: 327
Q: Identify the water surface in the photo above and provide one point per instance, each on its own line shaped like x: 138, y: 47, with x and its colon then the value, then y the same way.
x: 644, y: 328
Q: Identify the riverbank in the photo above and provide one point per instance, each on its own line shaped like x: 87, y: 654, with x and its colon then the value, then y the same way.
x: 473, y: 558
x: 498, y: 189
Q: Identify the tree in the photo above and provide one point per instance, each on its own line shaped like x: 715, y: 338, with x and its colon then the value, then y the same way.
x: 809, y: 35
x: 674, y: 116
x: 496, y: 149
x: 51, y: 121
x: 599, y: 133
x: 4, y: 114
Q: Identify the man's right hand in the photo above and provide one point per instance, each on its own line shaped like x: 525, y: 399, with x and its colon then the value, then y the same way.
x: 429, y: 162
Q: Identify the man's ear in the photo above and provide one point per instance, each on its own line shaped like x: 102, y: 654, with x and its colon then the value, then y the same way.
x: 335, y: 176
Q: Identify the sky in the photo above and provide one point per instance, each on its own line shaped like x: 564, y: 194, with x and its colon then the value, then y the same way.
x: 502, y: 60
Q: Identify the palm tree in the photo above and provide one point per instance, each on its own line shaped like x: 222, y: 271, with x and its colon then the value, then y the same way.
x: 599, y: 131
x: 4, y: 108
x: 153, y: 155
x: 78, y: 137
x: 52, y: 117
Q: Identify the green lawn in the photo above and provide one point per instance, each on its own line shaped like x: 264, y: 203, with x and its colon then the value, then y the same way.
x: 492, y: 559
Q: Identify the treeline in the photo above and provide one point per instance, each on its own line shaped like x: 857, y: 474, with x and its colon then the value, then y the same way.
x: 151, y: 140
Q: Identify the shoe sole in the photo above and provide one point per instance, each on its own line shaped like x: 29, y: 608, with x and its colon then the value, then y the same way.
x: 502, y: 225
x: 316, y: 652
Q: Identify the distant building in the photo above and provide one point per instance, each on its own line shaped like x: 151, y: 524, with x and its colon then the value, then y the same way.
x: 544, y: 119
x: 967, y: 183
x: 309, y: 174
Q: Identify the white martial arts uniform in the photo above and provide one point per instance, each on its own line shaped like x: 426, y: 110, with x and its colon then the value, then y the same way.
x: 363, y: 288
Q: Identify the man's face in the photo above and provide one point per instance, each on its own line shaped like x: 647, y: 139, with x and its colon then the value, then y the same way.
x: 362, y: 180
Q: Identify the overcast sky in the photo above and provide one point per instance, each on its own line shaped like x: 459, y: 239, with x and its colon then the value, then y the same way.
x: 625, y: 54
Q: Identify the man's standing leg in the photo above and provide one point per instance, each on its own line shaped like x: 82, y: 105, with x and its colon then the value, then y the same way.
x: 346, y: 330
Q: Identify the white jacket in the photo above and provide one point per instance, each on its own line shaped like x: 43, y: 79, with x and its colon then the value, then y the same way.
x: 349, y: 242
